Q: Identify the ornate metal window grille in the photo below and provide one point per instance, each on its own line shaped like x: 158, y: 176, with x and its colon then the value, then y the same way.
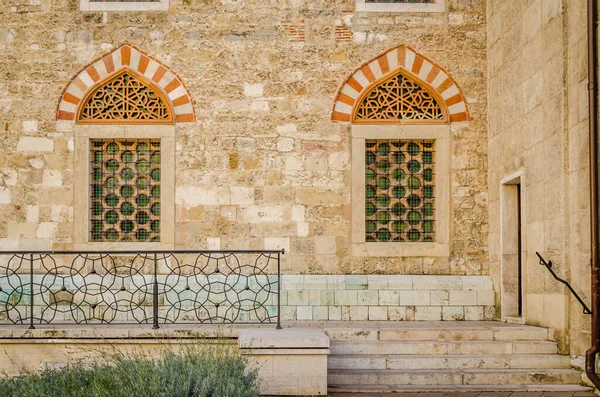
x: 125, y: 98
x: 400, y: 1
x: 399, y: 98
x: 399, y: 191
x: 125, y: 190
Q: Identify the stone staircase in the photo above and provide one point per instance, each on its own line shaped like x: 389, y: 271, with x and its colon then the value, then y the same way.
x: 446, y: 356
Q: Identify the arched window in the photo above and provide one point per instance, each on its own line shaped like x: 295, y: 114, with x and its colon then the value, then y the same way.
x: 124, y: 106
x: 125, y: 99
x: 400, y: 106
x: 396, y: 99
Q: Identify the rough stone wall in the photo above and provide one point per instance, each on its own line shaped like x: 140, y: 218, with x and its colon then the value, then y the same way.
x: 538, y: 123
x: 263, y: 166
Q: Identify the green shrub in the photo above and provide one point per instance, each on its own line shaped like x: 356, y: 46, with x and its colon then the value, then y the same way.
x: 193, y: 373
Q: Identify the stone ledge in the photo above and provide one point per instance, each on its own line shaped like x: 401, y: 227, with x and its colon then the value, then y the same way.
x: 275, y: 339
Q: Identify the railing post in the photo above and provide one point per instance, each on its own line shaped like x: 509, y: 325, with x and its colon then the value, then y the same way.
x: 155, y: 296
x: 31, y: 326
x: 279, y: 289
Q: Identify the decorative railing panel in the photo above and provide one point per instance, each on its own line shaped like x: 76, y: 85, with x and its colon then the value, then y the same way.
x: 151, y: 287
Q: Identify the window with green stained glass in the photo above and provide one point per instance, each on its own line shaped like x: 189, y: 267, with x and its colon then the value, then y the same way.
x: 125, y: 190
x: 399, y: 190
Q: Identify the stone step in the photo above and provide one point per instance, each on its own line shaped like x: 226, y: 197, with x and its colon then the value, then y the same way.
x: 453, y: 377
x: 444, y: 347
x: 425, y: 332
x: 448, y: 361
x: 454, y: 388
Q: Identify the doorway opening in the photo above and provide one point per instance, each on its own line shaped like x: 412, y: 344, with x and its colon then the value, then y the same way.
x: 513, y: 252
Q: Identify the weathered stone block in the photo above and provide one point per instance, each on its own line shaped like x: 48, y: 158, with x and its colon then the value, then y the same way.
x: 414, y: 298
x: 359, y: 313
x: 428, y: 313
x: 378, y: 313
x: 285, y: 144
x: 52, y: 178
x: 368, y: 298
x: 325, y: 246
x: 5, y: 195
x: 46, y: 230
x: 356, y: 282
x: 389, y: 298
x: 242, y: 195
x: 346, y: 298
x: 253, y: 89
x: 33, y: 144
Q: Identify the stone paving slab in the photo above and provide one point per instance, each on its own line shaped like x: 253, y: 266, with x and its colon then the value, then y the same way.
x: 468, y: 394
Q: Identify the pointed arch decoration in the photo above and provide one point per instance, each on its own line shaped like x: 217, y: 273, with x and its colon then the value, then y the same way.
x: 161, y: 88
x: 399, y: 86
x: 127, y: 98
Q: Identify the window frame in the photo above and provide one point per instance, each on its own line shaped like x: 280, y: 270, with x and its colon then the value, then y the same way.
x: 137, y: 6
x: 441, y: 134
x: 438, y: 6
x: 83, y: 134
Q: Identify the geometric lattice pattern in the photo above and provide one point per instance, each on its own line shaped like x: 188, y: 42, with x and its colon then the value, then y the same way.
x: 145, y: 288
x: 125, y: 190
x: 125, y: 98
x: 399, y: 98
x: 399, y: 191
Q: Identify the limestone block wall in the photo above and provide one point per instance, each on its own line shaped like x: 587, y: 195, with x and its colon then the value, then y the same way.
x: 387, y: 298
x: 537, y: 65
x: 262, y: 165
x: 302, y: 298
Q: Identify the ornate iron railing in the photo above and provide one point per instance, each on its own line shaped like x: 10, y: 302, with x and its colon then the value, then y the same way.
x: 548, y: 265
x: 149, y: 287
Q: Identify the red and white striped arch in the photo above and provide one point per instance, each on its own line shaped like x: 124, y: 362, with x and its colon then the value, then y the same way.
x: 126, y: 56
x: 407, y: 60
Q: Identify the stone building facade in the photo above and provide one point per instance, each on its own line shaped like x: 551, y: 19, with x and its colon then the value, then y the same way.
x: 538, y: 138
x: 264, y: 144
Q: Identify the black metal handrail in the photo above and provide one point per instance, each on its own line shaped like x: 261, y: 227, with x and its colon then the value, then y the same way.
x: 144, y: 287
x: 586, y: 310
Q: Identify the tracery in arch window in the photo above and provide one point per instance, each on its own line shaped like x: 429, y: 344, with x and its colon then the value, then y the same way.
x: 397, y: 99
x: 125, y: 99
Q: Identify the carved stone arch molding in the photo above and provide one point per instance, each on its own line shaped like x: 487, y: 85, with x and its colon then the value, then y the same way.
x: 151, y: 86
x: 399, y: 86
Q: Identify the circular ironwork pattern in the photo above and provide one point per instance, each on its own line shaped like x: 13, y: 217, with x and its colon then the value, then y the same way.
x: 399, y: 98
x: 399, y: 190
x: 104, y: 288
x: 124, y: 97
x: 125, y: 190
